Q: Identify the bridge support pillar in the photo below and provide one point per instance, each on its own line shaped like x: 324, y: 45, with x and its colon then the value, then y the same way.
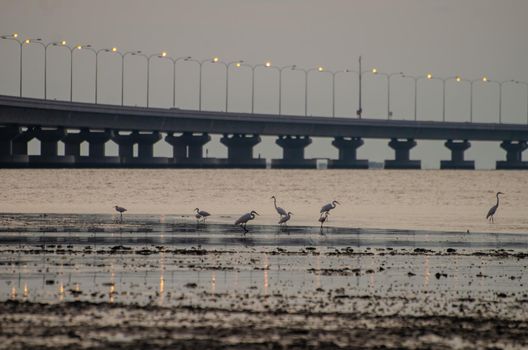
x: 187, y: 150
x: 49, y: 157
x: 457, y: 156
x: 240, y: 151
x: 347, y: 154
x: 402, y: 150
x: 8, y: 159
x: 513, y: 155
x: 293, y: 153
x: 145, y: 143
x: 72, y: 144
x: 96, y: 158
x: 20, y: 142
x: 125, y: 145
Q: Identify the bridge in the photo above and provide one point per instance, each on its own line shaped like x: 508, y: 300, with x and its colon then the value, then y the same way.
x: 187, y: 131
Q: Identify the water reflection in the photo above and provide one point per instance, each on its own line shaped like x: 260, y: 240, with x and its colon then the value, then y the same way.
x: 265, y: 266
x: 427, y: 272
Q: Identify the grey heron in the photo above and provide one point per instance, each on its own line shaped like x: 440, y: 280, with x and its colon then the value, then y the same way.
x: 493, y: 209
x: 201, y: 214
x: 285, y: 218
x: 120, y: 210
x: 242, y: 221
x: 327, y: 207
x: 323, y: 218
x: 279, y: 210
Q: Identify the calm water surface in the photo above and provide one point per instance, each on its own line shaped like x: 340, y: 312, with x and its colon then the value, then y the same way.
x: 428, y: 200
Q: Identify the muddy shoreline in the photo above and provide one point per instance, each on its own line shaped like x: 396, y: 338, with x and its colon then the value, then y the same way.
x: 75, y: 325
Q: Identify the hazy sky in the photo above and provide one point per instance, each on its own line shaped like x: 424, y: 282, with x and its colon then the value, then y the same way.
x: 470, y: 38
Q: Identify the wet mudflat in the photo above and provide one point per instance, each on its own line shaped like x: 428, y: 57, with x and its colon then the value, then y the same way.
x: 89, y: 281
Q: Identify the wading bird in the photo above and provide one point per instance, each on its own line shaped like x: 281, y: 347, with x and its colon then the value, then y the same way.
x: 242, y: 221
x: 493, y: 209
x: 327, y: 207
x: 120, y: 210
x: 279, y: 210
x: 285, y: 218
x: 323, y: 218
x: 201, y: 214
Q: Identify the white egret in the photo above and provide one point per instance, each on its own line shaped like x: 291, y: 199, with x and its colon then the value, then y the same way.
x: 323, y: 218
x: 285, y: 218
x: 327, y: 207
x: 201, y: 214
x: 120, y: 210
x: 279, y: 210
x: 242, y: 221
x: 493, y: 209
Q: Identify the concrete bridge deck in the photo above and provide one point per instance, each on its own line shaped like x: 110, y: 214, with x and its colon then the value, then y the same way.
x: 241, y: 132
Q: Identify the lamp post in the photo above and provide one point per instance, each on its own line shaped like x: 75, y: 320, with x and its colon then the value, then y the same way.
x: 113, y: 50
x: 200, y: 65
x: 174, y: 61
x: 123, y: 55
x: 389, y: 77
x: 237, y: 64
x: 526, y: 85
x: 78, y: 47
x: 499, y: 84
x: 416, y: 79
x: 292, y: 67
x: 306, y: 76
x: 253, y: 69
x: 14, y: 37
x: 55, y: 43
x: 334, y: 74
x: 159, y: 55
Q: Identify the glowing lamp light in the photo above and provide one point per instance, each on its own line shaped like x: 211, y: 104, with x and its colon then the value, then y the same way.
x: 63, y: 42
x: 268, y: 64
x: 458, y: 79
x: 238, y: 64
x: 429, y: 76
x: 27, y: 41
x: 15, y: 35
x: 163, y: 54
x: 114, y: 49
x: 79, y: 47
x: 320, y: 69
x: 484, y: 79
x: 374, y: 71
x: 215, y: 59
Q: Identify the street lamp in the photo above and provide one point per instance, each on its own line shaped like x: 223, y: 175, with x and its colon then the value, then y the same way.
x: 73, y: 48
x: 253, y: 69
x: 334, y: 74
x: 306, y: 75
x: 174, y: 61
x: 526, y: 85
x: 499, y: 84
x: 163, y: 54
x: 292, y: 67
x: 14, y: 37
x: 200, y: 64
x: 237, y: 64
x: 123, y: 55
x: 113, y: 50
x: 389, y: 77
x: 416, y: 79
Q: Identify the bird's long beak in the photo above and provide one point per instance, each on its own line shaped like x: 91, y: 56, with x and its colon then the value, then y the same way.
x: 257, y: 213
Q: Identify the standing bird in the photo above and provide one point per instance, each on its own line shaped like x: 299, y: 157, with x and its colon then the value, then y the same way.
x: 120, y: 210
x: 323, y: 218
x: 201, y: 214
x: 493, y: 209
x: 279, y: 210
x: 242, y: 221
x: 327, y: 207
x: 285, y: 218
